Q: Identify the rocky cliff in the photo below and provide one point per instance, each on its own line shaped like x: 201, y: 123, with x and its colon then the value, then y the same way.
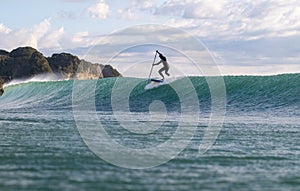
x: 109, y: 71
x: 26, y: 62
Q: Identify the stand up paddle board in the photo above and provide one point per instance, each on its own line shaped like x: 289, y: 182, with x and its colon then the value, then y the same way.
x: 156, y: 80
x: 154, y: 84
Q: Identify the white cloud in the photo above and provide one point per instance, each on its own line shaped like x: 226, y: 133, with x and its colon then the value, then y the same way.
x: 243, y: 35
x: 52, y: 40
x: 182, y: 23
x: 80, y: 37
x: 147, y: 4
x: 171, y: 7
x: 143, y: 4
x: 37, y: 32
x: 39, y: 36
x: 99, y: 10
x: 128, y: 13
x: 135, y: 9
x: 83, y: 39
x: 246, y: 37
x: 204, y: 9
x: 231, y: 19
x: 4, y: 29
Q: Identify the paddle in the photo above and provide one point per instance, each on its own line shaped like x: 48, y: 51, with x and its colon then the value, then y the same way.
x: 152, y: 67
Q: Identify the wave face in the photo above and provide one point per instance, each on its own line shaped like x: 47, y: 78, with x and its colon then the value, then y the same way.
x: 261, y: 93
x: 244, y: 94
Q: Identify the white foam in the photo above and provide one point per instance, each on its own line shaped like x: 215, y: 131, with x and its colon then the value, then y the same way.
x: 37, y: 78
x: 152, y: 85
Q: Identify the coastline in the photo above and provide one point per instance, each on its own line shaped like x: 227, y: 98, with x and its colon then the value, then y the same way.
x: 27, y: 62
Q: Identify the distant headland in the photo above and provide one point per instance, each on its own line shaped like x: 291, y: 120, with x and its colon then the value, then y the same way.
x: 26, y: 62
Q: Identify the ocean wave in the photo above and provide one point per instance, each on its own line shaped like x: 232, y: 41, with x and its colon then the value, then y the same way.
x: 243, y: 93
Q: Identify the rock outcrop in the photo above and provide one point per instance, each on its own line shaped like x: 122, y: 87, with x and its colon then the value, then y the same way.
x: 87, y: 70
x: 68, y: 66
x: 109, y: 71
x: 26, y: 62
x: 64, y: 64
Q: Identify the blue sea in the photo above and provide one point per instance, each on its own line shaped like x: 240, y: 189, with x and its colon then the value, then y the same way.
x: 49, y: 138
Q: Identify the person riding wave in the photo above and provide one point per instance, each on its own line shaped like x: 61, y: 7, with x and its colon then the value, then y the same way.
x: 165, y: 67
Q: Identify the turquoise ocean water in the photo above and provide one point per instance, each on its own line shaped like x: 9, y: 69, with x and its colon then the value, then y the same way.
x: 258, y: 147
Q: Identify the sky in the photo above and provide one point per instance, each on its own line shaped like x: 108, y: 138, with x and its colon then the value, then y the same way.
x: 249, y: 37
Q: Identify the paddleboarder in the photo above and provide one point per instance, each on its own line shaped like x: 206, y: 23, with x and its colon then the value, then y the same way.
x: 165, y: 67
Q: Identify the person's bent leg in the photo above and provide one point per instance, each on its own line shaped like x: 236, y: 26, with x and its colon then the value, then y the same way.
x: 160, y: 73
x: 167, y: 72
